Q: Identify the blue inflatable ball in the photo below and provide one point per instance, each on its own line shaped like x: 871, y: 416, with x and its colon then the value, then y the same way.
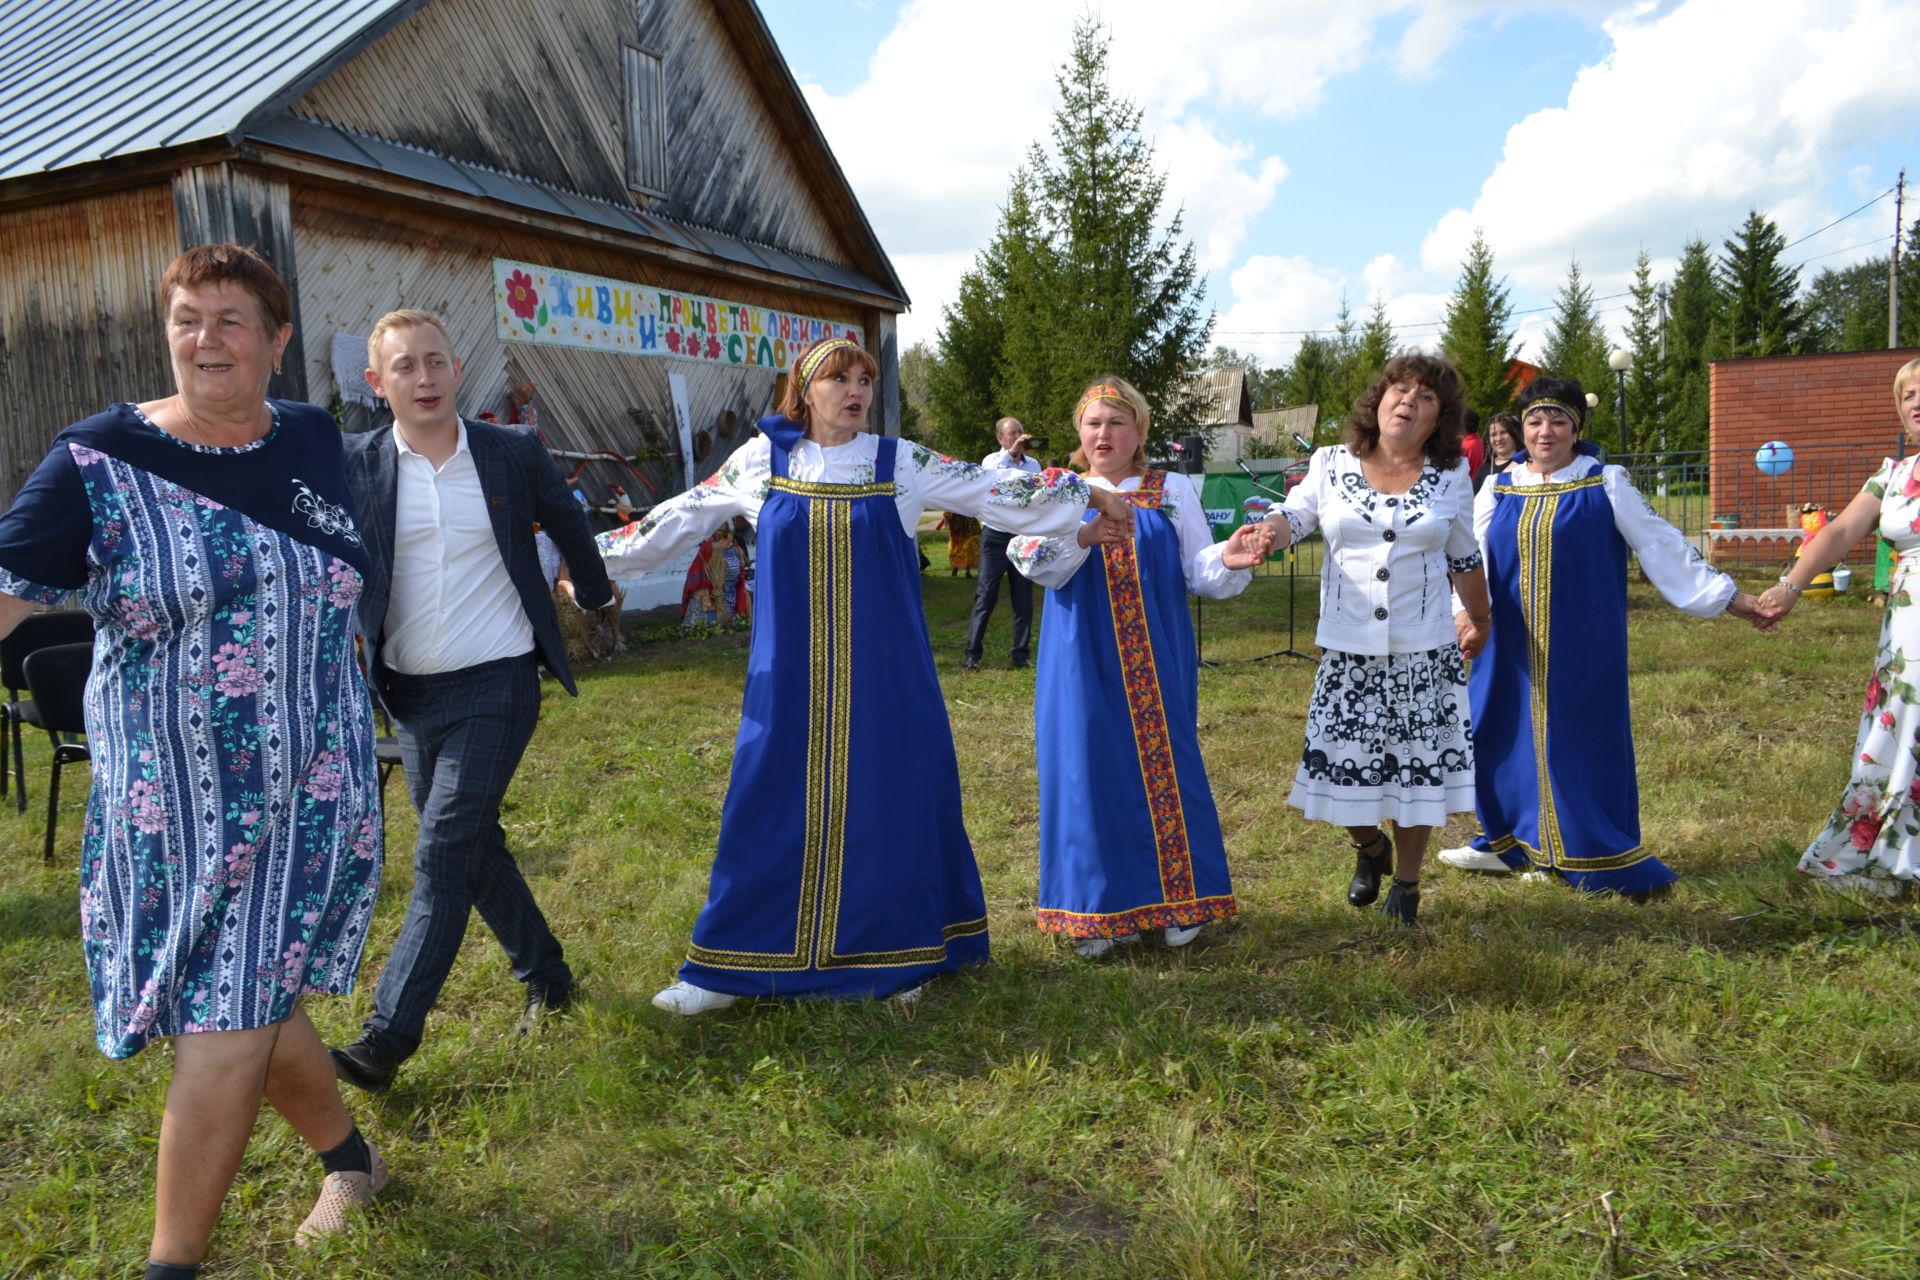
x: 1773, y: 458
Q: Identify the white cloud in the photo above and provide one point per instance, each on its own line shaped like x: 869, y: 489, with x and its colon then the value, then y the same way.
x: 1273, y: 298
x: 1701, y: 111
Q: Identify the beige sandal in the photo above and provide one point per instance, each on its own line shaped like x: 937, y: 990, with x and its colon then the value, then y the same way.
x: 340, y: 1196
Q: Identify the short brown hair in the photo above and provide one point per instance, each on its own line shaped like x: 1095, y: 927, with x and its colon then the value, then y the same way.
x: 793, y: 404
x: 1431, y: 372
x: 229, y: 263
x: 405, y: 318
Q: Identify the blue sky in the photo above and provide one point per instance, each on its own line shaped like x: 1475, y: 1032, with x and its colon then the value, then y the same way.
x: 1323, y: 147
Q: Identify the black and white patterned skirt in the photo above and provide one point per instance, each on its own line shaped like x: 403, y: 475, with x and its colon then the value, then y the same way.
x: 1387, y: 739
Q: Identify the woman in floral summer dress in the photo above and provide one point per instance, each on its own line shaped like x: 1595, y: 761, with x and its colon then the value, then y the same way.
x: 232, y: 846
x: 843, y: 869
x: 1870, y: 841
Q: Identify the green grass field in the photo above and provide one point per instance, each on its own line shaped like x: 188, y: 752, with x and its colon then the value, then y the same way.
x: 1726, y: 1083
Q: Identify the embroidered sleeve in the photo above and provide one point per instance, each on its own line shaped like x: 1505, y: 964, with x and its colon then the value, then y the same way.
x: 45, y: 533
x: 1051, y: 562
x: 1048, y: 504
x: 682, y: 523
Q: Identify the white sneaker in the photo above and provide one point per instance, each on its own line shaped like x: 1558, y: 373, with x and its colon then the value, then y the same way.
x: 688, y: 1000
x: 1468, y: 858
x: 910, y: 996
x: 1179, y: 935
x: 1094, y: 948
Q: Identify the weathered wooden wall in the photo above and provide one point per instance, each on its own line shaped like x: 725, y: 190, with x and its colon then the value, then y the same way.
x: 536, y: 89
x: 79, y: 318
x: 359, y: 258
x: 232, y: 203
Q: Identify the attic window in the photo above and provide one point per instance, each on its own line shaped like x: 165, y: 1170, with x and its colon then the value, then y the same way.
x: 646, y: 120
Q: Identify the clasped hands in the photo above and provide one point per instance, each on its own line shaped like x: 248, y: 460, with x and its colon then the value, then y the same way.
x: 1115, y: 524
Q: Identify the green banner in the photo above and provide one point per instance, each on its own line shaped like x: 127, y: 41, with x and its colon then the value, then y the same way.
x: 1233, y: 500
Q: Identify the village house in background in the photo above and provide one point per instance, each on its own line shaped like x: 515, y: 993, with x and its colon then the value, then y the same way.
x: 626, y: 211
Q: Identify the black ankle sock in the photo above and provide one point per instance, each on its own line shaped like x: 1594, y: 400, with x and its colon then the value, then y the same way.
x: 351, y: 1156
x: 172, y: 1270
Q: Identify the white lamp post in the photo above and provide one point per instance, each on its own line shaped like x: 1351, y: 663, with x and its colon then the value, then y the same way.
x: 1621, y: 360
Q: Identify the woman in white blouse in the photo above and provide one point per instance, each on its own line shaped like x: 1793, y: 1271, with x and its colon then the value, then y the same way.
x: 1552, y: 730
x: 843, y: 869
x: 1129, y: 837
x: 1387, y: 736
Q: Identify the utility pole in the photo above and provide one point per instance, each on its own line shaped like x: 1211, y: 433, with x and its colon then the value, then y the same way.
x: 1893, y: 266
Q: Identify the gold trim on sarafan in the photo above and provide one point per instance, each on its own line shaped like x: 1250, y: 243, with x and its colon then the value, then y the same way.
x: 829, y: 732
x: 1605, y: 862
x: 816, y: 489
x: 1536, y: 605
x: 1547, y: 490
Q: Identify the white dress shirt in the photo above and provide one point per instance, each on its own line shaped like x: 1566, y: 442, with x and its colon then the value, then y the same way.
x: 1000, y: 459
x: 922, y: 479
x: 1052, y: 562
x: 452, y: 605
x: 1385, y: 584
x: 1674, y: 566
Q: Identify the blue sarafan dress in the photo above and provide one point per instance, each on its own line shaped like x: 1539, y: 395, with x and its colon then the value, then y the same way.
x: 843, y: 868
x: 232, y: 845
x: 1552, y: 727
x: 1129, y: 836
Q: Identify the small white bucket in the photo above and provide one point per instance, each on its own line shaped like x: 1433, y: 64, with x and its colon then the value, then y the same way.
x: 1842, y: 578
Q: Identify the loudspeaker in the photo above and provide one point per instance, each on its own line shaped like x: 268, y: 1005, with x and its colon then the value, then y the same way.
x: 1193, y: 454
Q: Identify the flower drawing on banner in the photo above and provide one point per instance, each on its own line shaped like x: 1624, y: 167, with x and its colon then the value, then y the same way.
x: 713, y: 348
x: 673, y: 340
x: 524, y: 301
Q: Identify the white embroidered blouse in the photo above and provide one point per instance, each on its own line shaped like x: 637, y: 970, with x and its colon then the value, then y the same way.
x: 1052, y: 562
x: 1385, y: 584
x: 1044, y: 504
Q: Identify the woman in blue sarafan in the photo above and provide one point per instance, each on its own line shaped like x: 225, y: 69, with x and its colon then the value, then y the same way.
x: 1554, y: 785
x: 843, y: 869
x: 1129, y: 838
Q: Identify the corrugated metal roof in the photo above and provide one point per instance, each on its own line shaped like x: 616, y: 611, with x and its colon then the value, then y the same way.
x: 90, y: 80
x: 334, y: 143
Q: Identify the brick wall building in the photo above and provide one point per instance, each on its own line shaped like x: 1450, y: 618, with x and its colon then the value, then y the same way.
x: 1836, y: 411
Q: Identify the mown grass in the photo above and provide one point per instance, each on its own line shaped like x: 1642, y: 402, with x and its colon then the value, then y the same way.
x: 1534, y: 1084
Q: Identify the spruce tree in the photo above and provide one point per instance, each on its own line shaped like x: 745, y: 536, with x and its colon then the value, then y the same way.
x: 1646, y: 412
x: 1762, y: 315
x: 1478, y: 335
x: 1577, y: 348
x: 1376, y: 346
x: 1692, y: 310
x: 1079, y: 280
x: 1314, y: 378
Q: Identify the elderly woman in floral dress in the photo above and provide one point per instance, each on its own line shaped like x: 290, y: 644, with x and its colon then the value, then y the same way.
x: 232, y: 846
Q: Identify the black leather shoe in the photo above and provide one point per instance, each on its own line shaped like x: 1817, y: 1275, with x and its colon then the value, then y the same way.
x: 1403, y: 902
x: 1369, y: 869
x: 969, y: 663
x: 544, y: 998
x: 367, y: 1063
x: 1019, y: 664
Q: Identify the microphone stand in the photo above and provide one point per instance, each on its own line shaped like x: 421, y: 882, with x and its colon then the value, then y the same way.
x: 1293, y: 573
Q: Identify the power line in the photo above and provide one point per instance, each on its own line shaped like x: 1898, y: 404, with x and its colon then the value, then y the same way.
x: 1399, y: 328
x: 1837, y: 221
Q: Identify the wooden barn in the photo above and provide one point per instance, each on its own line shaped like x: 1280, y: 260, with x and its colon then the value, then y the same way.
x: 624, y: 207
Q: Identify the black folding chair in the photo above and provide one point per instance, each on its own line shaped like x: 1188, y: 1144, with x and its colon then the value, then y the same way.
x: 386, y: 750
x: 36, y: 631
x: 57, y: 680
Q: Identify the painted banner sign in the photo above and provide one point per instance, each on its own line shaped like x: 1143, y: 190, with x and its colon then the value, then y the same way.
x: 567, y: 309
